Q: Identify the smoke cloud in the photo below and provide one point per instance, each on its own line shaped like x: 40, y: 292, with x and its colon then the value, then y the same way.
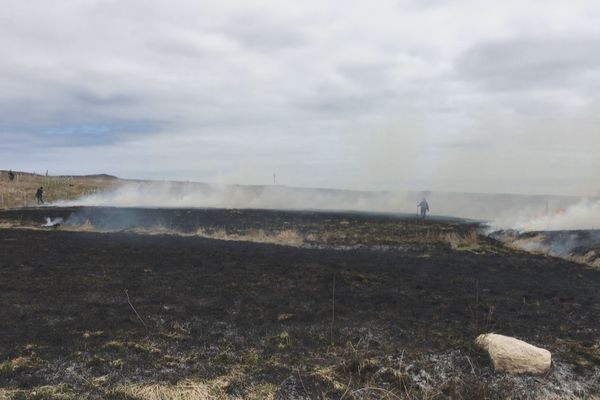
x: 582, y: 215
x: 502, y: 211
x: 192, y: 195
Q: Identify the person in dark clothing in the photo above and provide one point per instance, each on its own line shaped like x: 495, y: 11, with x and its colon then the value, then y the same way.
x: 424, y: 206
x: 39, y: 195
x: 11, y: 176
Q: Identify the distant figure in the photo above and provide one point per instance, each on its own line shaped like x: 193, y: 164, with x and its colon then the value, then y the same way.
x: 424, y: 206
x: 39, y: 195
x: 11, y: 176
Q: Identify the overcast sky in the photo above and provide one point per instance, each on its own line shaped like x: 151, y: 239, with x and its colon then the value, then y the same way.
x: 484, y: 96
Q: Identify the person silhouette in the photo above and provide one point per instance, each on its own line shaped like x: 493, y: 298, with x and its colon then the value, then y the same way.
x: 424, y: 206
x: 39, y: 195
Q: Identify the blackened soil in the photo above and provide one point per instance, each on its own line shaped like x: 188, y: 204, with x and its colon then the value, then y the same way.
x: 209, y: 307
x: 189, y: 220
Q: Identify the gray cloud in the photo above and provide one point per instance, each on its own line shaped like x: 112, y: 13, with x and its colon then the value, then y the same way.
x: 398, y: 94
x: 524, y: 63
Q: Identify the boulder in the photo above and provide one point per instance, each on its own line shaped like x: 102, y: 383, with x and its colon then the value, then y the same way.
x: 514, y: 356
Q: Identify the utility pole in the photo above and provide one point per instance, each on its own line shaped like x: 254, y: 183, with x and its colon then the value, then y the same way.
x: 274, y: 179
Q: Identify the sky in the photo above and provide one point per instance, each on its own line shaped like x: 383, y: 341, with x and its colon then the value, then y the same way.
x: 475, y: 96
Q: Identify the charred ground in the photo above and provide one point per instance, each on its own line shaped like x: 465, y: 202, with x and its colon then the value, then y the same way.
x: 357, y: 306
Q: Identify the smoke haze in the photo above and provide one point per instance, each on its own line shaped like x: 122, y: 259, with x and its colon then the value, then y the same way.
x: 502, y: 211
x: 582, y: 215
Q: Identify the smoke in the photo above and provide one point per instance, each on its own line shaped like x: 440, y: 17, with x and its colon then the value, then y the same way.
x: 582, y: 215
x: 570, y: 233
x: 501, y: 210
x: 198, y: 195
x: 518, y: 220
x: 52, y: 222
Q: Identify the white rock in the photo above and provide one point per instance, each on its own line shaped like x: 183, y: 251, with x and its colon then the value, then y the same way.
x: 513, y: 355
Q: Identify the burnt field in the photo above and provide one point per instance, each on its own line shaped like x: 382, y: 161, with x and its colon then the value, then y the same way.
x: 208, y: 303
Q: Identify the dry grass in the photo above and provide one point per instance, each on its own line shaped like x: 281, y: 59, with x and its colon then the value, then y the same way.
x: 47, y: 392
x: 186, y: 390
x: 21, y: 191
x: 86, y: 226
x: 467, y: 241
x: 190, y: 390
x: 536, y: 245
x: 591, y: 258
x: 286, y: 237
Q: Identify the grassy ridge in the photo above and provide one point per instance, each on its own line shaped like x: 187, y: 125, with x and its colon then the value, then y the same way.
x: 21, y: 191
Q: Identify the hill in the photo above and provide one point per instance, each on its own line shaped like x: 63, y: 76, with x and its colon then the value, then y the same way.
x: 20, y: 192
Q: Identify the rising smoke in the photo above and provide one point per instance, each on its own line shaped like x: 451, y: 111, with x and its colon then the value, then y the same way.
x: 513, y: 219
x: 582, y: 215
x: 198, y: 195
x: 500, y: 210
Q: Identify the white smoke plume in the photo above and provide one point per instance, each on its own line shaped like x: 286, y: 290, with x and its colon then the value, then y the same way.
x: 199, y: 195
x: 501, y: 210
x: 583, y: 215
x: 51, y: 222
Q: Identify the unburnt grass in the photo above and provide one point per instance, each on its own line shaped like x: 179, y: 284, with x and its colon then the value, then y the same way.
x: 20, y: 191
x: 255, y: 304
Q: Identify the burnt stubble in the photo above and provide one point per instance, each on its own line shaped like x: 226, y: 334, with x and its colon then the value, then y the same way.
x: 409, y: 299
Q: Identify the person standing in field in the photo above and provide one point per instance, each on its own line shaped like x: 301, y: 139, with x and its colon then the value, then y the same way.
x: 424, y: 206
x: 39, y: 195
